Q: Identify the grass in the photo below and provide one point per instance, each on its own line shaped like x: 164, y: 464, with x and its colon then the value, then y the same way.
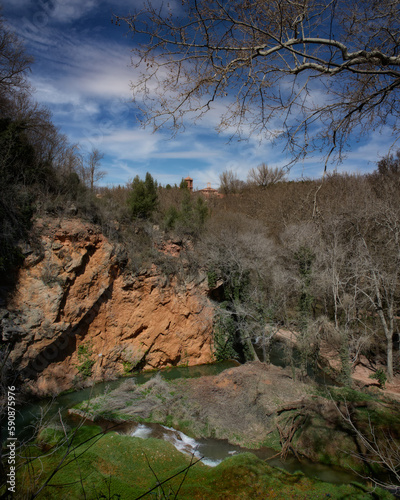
x: 119, y: 467
x: 271, y: 440
x: 346, y: 394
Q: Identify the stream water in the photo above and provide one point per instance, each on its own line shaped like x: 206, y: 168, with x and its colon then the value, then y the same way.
x: 213, y: 451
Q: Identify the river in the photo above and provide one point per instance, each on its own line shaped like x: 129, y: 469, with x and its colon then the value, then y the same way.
x: 212, y: 451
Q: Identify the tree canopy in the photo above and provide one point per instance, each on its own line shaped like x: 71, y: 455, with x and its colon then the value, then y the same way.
x: 307, y: 72
x: 143, y: 197
x: 89, y: 168
x: 265, y: 176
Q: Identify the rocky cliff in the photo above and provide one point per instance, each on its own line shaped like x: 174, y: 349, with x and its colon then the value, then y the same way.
x: 79, y: 317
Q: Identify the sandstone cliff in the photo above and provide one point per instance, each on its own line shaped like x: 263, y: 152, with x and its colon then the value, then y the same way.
x: 79, y: 317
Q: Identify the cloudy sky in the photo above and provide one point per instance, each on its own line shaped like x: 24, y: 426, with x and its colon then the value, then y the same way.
x: 82, y: 72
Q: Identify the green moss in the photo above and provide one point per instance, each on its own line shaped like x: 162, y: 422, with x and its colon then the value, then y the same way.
x: 272, y: 440
x: 120, y: 465
x: 128, y: 367
x: 349, y: 395
x: 169, y: 421
x: 85, y: 363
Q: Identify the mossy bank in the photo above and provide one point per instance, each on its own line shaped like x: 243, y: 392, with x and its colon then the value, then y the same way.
x: 256, y: 405
x: 94, y: 465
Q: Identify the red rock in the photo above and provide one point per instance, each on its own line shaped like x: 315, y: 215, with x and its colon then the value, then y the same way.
x: 76, y: 295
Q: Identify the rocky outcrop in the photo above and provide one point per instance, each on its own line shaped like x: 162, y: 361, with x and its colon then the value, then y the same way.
x: 79, y: 317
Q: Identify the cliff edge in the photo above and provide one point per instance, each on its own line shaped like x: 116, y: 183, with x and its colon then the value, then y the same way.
x: 78, y: 316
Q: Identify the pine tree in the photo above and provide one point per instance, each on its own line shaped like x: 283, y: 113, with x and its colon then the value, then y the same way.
x: 143, y: 198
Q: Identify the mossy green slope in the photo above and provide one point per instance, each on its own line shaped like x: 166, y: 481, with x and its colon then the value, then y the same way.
x: 117, y: 466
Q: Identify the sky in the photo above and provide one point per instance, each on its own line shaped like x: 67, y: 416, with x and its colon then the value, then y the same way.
x: 82, y: 73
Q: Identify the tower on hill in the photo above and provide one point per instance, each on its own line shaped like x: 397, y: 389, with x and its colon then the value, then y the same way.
x: 189, y: 182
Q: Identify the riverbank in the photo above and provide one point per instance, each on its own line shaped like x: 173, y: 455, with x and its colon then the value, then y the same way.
x: 91, y: 464
x: 256, y: 405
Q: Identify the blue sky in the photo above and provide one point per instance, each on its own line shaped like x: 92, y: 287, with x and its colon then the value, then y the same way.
x: 82, y: 73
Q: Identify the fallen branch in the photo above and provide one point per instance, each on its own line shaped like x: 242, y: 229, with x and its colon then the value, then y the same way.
x: 286, y: 435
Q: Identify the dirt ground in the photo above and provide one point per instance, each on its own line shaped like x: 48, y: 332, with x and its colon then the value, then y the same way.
x: 361, y: 376
x: 239, y: 403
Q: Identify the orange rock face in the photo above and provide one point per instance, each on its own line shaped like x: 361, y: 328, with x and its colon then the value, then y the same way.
x: 84, y: 319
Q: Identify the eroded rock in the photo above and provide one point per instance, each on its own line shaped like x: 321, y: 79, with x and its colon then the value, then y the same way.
x: 83, y: 315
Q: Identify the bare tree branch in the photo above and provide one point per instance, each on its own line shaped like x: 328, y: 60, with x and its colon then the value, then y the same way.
x: 14, y: 64
x: 265, y: 176
x: 382, y: 450
x: 307, y: 72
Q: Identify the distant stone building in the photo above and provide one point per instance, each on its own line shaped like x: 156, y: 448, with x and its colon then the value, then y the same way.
x: 209, y: 192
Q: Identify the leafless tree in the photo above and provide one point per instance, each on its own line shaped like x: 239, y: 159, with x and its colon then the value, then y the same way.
x: 242, y: 257
x: 309, y: 72
x: 377, y: 272
x: 14, y: 63
x: 389, y: 166
x: 381, y: 448
x: 358, y: 259
x: 36, y: 121
x: 90, y: 168
x: 230, y: 183
x: 265, y: 176
x: 16, y: 103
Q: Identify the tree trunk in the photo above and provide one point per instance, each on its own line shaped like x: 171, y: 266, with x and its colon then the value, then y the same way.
x: 388, y: 327
x: 389, y: 356
x: 250, y: 347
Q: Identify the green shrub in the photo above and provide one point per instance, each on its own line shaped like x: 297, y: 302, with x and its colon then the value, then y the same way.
x: 380, y: 376
x: 171, y: 216
x: 224, y: 337
x: 190, y: 217
x: 212, y: 279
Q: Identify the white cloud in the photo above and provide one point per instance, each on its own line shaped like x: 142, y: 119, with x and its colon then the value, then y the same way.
x: 89, y: 70
x: 44, y: 12
x: 186, y: 154
x: 128, y: 144
x: 66, y: 11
